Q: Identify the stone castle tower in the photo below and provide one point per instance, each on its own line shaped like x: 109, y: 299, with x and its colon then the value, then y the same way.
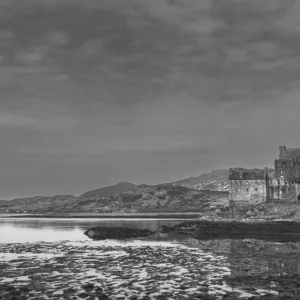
x: 250, y: 186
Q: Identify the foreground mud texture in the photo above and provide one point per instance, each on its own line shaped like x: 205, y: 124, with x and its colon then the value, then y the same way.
x: 102, y: 233
x: 119, y: 270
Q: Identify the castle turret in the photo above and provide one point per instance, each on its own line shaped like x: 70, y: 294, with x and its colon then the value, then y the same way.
x: 282, y: 151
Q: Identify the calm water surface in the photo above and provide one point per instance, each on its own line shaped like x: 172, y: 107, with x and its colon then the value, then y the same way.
x: 254, y: 266
x: 20, y: 230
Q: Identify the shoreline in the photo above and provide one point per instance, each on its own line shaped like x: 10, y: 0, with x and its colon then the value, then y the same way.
x: 177, y: 216
x: 280, y: 229
x: 183, y: 216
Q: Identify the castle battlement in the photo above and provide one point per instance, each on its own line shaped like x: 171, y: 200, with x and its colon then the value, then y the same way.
x: 246, y: 174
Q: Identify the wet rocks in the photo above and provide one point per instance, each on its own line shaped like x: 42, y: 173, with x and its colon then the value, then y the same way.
x: 24, y: 289
x: 9, y: 292
x: 83, y: 295
x: 92, y: 293
x: 162, y: 297
x: 102, y: 297
x: 88, y: 287
x: 164, y: 229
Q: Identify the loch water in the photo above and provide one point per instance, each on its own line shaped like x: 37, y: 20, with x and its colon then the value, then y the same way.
x: 164, y: 265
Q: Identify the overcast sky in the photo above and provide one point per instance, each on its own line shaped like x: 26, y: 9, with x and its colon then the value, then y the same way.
x: 94, y: 92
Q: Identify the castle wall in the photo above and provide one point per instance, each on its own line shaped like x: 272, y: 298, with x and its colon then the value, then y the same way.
x: 280, y: 189
x: 297, y: 191
x: 250, y: 186
x: 248, y: 191
x: 288, y: 168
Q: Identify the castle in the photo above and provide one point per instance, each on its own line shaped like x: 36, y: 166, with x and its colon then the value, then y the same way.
x: 250, y: 186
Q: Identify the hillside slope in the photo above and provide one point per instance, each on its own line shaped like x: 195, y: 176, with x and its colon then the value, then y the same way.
x: 146, y: 198
x: 37, y: 204
x: 194, y: 194
x: 143, y: 198
x: 214, y: 181
x: 117, y: 188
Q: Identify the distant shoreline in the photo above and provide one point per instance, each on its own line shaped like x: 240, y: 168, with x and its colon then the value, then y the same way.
x: 187, y: 216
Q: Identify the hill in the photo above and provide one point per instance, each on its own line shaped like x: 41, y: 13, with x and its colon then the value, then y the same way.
x: 117, y: 188
x: 143, y: 198
x: 214, y: 181
x: 37, y: 204
x: 194, y: 194
x: 151, y: 198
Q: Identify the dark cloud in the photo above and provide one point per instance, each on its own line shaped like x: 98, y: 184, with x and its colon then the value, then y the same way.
x: 142, y: 90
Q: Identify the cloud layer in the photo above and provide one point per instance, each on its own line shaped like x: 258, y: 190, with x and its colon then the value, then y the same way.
x: 95, y: 92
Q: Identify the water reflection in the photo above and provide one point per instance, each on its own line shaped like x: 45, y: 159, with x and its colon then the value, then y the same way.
x: 265, y: 265
x: 62, y: 224
x: 34, y: 230
x: 255, y: 265
x: 254, y: 257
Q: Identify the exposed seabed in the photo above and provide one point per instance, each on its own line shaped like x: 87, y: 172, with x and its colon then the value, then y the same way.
x: 115, y: 270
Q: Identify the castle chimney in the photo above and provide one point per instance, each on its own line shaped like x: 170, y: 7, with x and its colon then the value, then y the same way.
x: 266, y: 173
x: 282, y: 150
x: 241, y: 174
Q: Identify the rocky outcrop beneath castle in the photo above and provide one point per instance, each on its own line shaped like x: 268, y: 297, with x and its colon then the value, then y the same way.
x: 202, y: 229
x: 102, y: 233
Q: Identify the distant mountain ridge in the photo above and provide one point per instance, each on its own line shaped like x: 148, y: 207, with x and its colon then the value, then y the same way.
x: 117, y: 188
x: 143, y: 198
x: 217, y: 180
x: 150, y: 198
x: 38, y: 203
x: 191, y: 194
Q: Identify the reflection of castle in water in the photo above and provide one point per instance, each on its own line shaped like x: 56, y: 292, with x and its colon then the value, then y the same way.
x: 267, y: 265
x: 255, y: 264
x: 252, y: 257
